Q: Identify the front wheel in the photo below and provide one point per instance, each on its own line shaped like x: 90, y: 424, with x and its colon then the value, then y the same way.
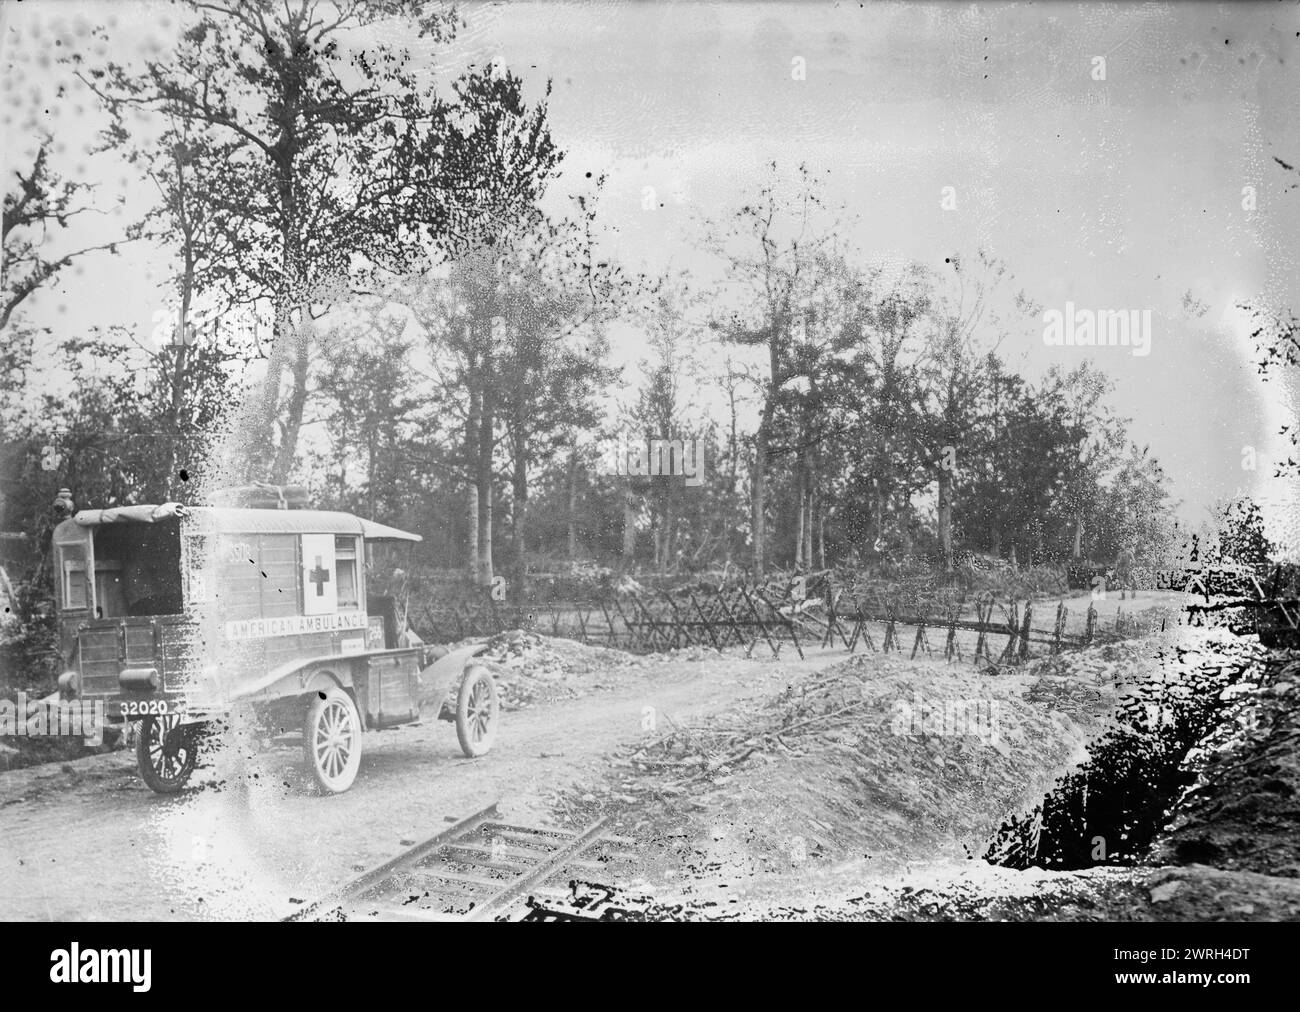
x: 166, y: 751
x: 332, y: 740
x: 476, y: 712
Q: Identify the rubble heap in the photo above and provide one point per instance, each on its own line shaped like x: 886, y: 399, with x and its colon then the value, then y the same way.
x: 531, y: 668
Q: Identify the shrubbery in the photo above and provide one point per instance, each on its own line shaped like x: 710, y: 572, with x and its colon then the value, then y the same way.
x: 29, y: 658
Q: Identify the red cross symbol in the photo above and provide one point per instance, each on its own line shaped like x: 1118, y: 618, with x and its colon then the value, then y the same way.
x: 320, y: 577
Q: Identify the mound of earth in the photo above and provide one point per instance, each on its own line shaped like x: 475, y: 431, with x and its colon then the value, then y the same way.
x: 531, y: 668
x: 875, y: 763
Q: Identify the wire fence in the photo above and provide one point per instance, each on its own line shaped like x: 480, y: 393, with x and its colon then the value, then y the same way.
x: 790, y: 615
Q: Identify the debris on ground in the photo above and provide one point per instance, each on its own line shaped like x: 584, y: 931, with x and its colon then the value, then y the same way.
x: 974, y: 892
x: 530, y: 668
x: 1108, y: 664
x: 1080, y: 682
x: 877, y: 758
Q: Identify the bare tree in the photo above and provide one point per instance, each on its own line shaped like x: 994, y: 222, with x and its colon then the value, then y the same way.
x: 38, y: 205
x: 782, y: 222
x: 341, y: 162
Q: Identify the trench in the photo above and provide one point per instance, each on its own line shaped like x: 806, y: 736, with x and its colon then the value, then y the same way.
x: 1111, y: 809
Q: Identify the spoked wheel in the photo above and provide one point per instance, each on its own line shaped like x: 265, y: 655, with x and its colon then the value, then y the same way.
x: 166, y: 751
x: 332, y: 740
x: 476, y: 712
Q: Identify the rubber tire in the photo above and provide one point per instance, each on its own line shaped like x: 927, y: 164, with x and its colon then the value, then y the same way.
x: 471, y: 746
x: 320, y: 703
x: 158, y: 782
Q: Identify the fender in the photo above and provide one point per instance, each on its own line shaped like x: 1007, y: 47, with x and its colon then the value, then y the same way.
x: 297, y: 676
x: 437, y: 680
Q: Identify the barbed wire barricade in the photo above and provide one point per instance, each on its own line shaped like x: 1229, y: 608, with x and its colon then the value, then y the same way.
x: 781, y: 614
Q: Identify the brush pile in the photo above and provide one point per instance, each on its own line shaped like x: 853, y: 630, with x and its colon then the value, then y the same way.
x: 531, y: 668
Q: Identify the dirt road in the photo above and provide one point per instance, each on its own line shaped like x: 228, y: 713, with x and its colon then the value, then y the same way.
x: 88, y: 840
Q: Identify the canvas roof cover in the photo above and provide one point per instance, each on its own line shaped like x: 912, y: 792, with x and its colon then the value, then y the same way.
x: 213, y: 519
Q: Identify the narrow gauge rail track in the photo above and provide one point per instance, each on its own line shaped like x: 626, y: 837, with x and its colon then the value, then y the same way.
x: 478, y: 869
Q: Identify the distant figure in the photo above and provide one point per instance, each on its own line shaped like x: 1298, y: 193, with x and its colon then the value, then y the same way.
x: 1125, y: 564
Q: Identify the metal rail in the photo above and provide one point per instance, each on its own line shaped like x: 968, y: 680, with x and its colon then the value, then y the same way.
x: 474, y: 870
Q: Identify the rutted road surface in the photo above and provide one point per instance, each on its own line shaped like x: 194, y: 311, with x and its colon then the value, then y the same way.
x: 87, y: 840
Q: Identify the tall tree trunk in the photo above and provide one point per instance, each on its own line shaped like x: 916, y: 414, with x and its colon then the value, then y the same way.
x: 945, y: 518
x: 372, y: 477
x: 821, y: 531
x: 758, y: 495
x: 471, y: 470
x: 1076, y: 550
x: 573, y: 505
x: 343, y: 451
x: 519, y: 521
x: 733, y: 441
x: 292, y: 423
x: 483, y: 480
x: 284, y: 334
x: 810, y: 483
x: 801, y: 498
x: 258, y: 422
x: 879, y: 513
x: 177, y: 401
x: 629, y: 524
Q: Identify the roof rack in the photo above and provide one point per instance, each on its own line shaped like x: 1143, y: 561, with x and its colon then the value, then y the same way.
x: 262, y: 495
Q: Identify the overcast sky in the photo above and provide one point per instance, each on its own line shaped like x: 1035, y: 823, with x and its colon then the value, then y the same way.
x: 1122, y: 193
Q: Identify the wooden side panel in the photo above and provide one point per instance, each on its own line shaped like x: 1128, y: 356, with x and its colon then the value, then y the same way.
x: 279, y: 589
x: 237, y: 587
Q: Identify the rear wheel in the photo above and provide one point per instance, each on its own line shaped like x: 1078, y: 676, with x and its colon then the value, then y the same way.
x: 166, y: 751
x: 332, y: 740
x: 476, y: 712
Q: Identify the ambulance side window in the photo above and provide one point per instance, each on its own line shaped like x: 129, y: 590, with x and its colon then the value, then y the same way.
x: 75, y: 589
x: 345, y: 561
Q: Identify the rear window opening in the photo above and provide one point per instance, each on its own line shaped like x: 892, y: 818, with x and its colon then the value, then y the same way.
x: 138, y: 571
